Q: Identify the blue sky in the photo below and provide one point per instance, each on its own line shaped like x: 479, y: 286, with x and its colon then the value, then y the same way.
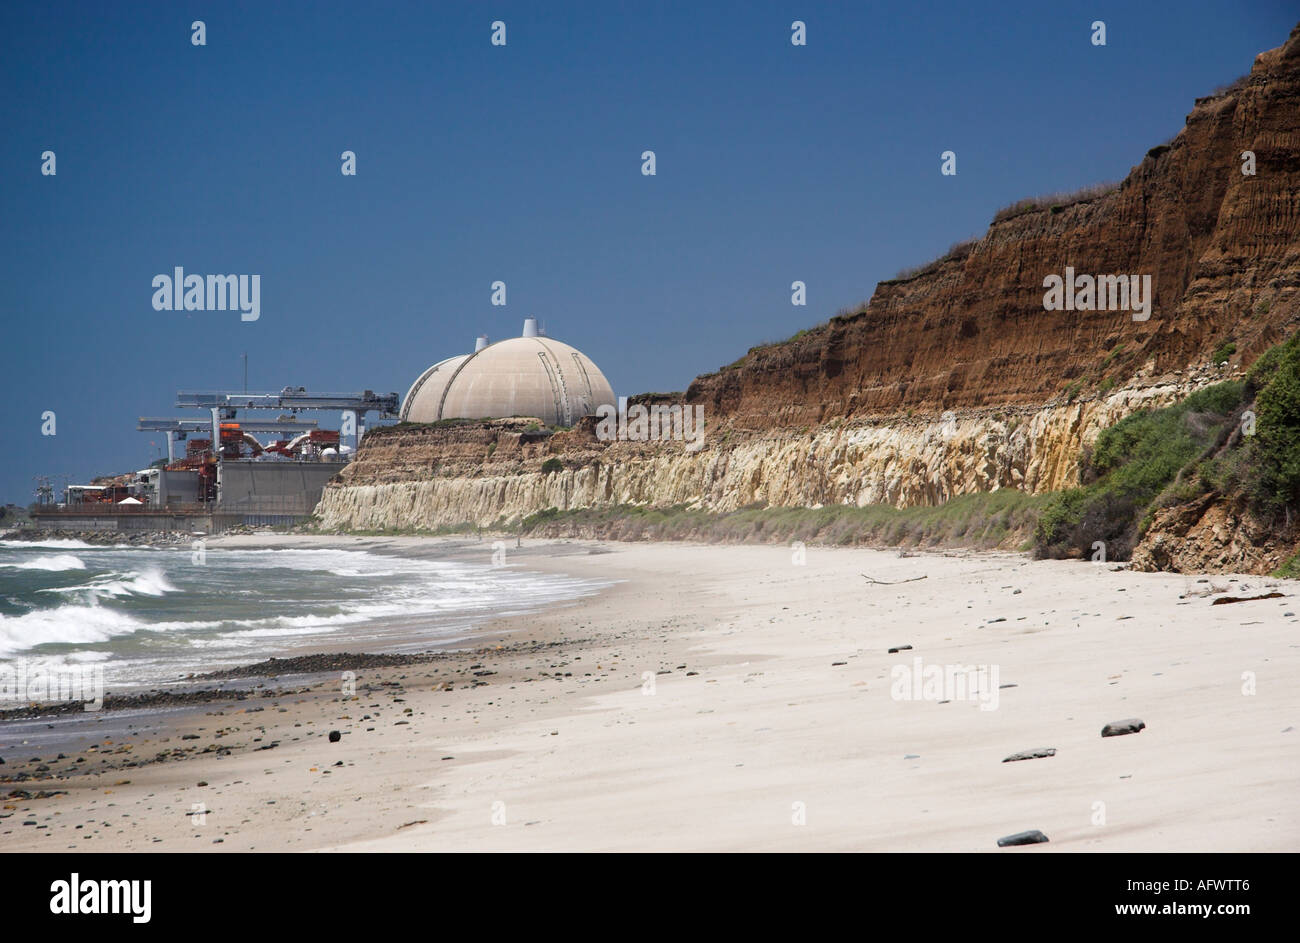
x: 522, y: 163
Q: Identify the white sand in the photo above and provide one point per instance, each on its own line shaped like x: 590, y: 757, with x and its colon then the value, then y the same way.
x: 717, y: 760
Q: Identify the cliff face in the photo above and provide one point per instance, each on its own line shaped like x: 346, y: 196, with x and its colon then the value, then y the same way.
x: 1219, y: 246
x: 492, y: 471
x: 952, y: 381
x: 1209, y: 535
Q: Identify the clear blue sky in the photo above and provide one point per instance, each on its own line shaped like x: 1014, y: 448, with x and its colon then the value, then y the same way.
x: 522, y: 163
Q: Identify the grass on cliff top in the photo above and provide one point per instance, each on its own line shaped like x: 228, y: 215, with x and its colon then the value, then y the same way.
x: 999, y: 519
x: 1055, y: 201
x: 762, y: 345
x: 956, y: 251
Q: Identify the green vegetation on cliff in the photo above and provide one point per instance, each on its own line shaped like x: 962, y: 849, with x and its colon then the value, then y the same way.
x: 999, y: 519
x: 1238, y: 441
x: 1133, y: 462
x: 1276, y: 446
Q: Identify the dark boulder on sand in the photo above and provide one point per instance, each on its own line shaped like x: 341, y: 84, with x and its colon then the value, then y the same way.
x: 1034, y: 837
x: 1119, y: 728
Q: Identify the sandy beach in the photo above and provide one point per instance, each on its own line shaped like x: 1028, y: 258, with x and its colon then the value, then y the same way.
x: 733, y: 698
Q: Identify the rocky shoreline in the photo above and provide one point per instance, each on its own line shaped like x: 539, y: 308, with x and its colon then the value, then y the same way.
x: 100, y: 538
x: 273, y: 669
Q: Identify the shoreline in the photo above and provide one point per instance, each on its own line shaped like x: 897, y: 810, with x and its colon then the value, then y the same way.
x: 309, y: 664
x: 373, y: 619
x: 771, y: 686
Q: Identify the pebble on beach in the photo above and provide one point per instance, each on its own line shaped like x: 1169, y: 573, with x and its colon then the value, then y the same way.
x: 1034, y: 837
x: 1119, y: 728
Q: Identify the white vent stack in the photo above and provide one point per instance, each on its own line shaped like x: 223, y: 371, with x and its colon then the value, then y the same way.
x: 480, y: 343
x: 530, y: 327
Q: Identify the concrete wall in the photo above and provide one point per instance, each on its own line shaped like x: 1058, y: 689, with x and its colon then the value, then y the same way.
x: 257, y: 493
x: 273, y: 488
x: 177, y: 487
x: 132, y: 522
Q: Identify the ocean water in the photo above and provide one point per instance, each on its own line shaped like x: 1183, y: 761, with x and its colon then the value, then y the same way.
x: 148, y: 615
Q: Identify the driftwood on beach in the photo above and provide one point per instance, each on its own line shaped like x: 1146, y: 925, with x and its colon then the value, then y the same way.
x: 1225, y: 600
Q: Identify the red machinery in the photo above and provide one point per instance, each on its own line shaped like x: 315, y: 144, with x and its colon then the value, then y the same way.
x: 309, y: 444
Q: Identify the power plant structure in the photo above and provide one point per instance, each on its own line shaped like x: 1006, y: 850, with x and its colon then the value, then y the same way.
x: 227, y: 475
x: 530, y: 375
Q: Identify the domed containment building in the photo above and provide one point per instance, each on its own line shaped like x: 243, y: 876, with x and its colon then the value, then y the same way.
x: 529, y: 375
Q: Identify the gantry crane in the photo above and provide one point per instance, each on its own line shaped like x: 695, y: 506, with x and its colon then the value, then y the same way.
x: 224, y: 405
x: 178, y: 429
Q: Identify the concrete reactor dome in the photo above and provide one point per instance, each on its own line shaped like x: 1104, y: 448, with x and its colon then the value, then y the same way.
x: 422, y: 399
x: 531, y: 375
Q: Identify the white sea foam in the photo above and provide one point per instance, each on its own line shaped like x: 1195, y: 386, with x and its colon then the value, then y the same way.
x: 53, y: 563
x: 248, y: 604
x: 79, y: 624
x: 64, y: 544
x: 274, y: 624
x: 67, y: 625
x: 150, y: 582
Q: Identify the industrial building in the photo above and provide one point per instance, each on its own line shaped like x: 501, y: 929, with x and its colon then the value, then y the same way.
x: 236, y: 470
x: 242, y: 480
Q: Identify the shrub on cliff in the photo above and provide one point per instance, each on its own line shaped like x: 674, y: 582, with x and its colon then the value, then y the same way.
x: 1276, y: 447
x: 1265, y: 367
x: 1131, y: 464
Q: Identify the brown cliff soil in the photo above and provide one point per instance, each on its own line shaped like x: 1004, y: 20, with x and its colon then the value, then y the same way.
x: 1223, y: 250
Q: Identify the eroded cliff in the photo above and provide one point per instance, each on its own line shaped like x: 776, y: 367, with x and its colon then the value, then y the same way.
x: 493, y: 471
x: 952, y: 381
